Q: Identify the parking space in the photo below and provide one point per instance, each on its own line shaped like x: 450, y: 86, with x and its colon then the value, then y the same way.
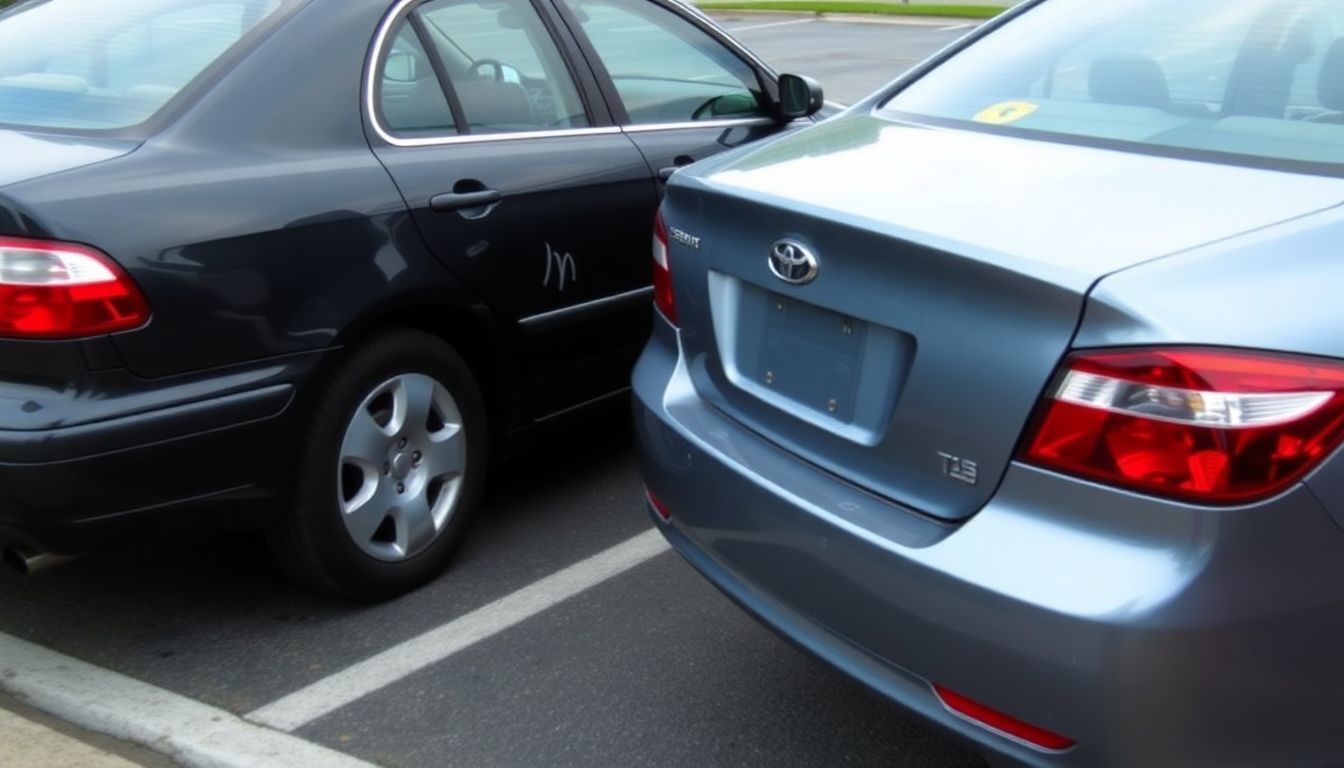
x: 650, y: 666
x: 564, y: 634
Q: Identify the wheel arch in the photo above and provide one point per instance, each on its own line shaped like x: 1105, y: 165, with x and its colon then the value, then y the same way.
x: 472, y: 331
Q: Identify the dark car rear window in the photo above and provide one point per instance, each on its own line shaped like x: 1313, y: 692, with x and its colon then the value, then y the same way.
x: 111, y: 64
x: 1261, y: 79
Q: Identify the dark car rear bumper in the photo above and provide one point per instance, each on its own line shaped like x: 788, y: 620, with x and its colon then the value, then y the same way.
x: 1149, y: 633
x: 226, y: 438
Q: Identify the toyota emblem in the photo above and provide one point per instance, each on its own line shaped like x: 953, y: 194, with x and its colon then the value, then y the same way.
x: 793, y: 262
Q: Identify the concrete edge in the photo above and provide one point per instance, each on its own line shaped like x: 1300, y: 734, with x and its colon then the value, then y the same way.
x: 188, y: 731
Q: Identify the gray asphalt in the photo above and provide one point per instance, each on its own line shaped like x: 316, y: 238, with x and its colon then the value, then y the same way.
x: 651, y: 668
x: 849, y: 59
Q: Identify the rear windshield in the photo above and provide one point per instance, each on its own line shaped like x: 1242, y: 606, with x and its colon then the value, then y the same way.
x: 111, y: 64
x: 1260, y: 79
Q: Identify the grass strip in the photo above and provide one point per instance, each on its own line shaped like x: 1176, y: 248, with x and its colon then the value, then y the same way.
x: 856, y: 6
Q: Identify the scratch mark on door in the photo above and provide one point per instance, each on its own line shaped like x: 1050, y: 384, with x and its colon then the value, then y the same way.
x: 562, y: 265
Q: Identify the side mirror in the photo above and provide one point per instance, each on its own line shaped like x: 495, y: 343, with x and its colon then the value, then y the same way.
x: 799, y: 96
x: 400, y: 67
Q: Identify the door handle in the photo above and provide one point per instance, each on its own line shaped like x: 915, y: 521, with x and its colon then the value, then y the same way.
x: 677, y: 163
x: 456, y: 201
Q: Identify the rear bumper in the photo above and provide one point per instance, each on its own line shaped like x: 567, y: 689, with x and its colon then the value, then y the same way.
x: 1149, y: 633
x: 164, y: 452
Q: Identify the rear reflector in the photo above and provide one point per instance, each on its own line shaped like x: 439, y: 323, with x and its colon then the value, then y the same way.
x: 658, y: 506
x: 662, y: 272
x: 52, y: 290
x: 995, y: 720
x: 1205, y: 425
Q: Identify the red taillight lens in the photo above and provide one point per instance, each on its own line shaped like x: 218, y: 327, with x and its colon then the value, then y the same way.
x: 1205, y: 425
x: 662, y: 272
x: 998, y: 721
x: 51, y: 290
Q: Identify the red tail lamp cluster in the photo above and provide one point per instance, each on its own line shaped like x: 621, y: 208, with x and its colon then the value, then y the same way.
x: 1211, y: 426
x: 663, y: 297
x: 54, y: 290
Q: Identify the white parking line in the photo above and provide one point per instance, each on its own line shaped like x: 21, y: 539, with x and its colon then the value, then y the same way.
x: 772, y: 24
x: 359, y: 680
x: 190, y: 732
x: 959, y: 26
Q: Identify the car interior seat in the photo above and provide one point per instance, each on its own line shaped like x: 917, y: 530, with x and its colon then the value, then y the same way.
x: 495, y: 104
x: 415, y: 106
x: 1128, y: 80
x: 1330, y: 85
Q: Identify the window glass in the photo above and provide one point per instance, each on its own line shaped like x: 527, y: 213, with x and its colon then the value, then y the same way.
x: 409, y: 93
x: 503, y: 65
x: 1262, y: 78
x: 94, y: 64
x: 664, y: 68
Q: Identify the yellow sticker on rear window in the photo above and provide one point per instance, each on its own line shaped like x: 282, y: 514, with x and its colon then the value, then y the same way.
x: 1006, y: 112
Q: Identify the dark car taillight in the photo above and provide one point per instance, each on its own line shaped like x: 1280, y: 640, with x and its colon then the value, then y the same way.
x: 54, y: 290
x: 1210, y: 426
x: 663, y: 297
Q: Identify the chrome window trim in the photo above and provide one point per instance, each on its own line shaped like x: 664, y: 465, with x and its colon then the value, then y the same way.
x: 726, y: 123
x: 477, y: 138
x: 371, y: 102
x: 371, y: 69
x: 371, y: 105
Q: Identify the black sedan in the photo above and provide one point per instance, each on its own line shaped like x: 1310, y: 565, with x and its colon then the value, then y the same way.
x: 310, y: 262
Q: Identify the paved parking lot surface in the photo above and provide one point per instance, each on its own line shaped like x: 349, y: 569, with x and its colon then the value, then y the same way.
x: 564, y: 634
x: 849, y: 59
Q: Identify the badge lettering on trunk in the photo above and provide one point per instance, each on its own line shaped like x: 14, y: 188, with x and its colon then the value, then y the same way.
x: 959, y: 469
x: 683, y: 237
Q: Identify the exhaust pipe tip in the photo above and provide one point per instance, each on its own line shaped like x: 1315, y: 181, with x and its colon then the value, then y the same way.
x: 28, y: 563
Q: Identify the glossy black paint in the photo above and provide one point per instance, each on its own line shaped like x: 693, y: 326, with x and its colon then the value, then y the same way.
x: 269, y: 225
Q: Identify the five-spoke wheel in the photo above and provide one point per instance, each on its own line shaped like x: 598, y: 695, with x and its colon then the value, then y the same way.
x: 390, y: 470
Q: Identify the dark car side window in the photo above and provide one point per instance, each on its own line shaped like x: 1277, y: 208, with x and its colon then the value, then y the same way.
x: 503, y: 65
x: 93, y: 65
x: 665, y: 69
x: 410, y: 96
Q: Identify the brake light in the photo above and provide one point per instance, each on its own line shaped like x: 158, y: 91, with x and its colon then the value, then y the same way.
x: 1210, y: 426
x: 51, y: 290
x: 662, y: 272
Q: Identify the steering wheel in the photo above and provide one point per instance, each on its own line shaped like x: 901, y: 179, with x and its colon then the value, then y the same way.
x: 495, y: 65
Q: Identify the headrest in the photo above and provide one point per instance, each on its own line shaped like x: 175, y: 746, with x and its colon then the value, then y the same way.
x: 1132, y: 81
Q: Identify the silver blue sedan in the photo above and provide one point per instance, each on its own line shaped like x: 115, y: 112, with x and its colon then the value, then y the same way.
x: 1016, y: 391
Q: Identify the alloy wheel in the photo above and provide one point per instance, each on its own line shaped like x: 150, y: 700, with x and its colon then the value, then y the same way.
x: 401, y: 466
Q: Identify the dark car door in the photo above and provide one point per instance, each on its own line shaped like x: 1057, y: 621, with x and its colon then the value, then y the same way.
x: 681, y: 90
x: 521, y: 185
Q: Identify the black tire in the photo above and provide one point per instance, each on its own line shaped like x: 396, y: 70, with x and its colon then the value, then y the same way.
x: 312, y: 540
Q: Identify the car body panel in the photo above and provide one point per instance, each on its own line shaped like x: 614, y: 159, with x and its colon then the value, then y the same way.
x: 1136, y: 625
x: 269, y: 224
x: 30, y: 155
x: 922, y: 259
x: 1151, y: 304
x: 943, y: 177
x: 541, y: 249
x: 1140, y: 629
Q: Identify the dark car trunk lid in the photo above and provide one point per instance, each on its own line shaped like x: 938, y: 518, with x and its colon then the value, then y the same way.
x: 27, y: 156
x: 953, y: 269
